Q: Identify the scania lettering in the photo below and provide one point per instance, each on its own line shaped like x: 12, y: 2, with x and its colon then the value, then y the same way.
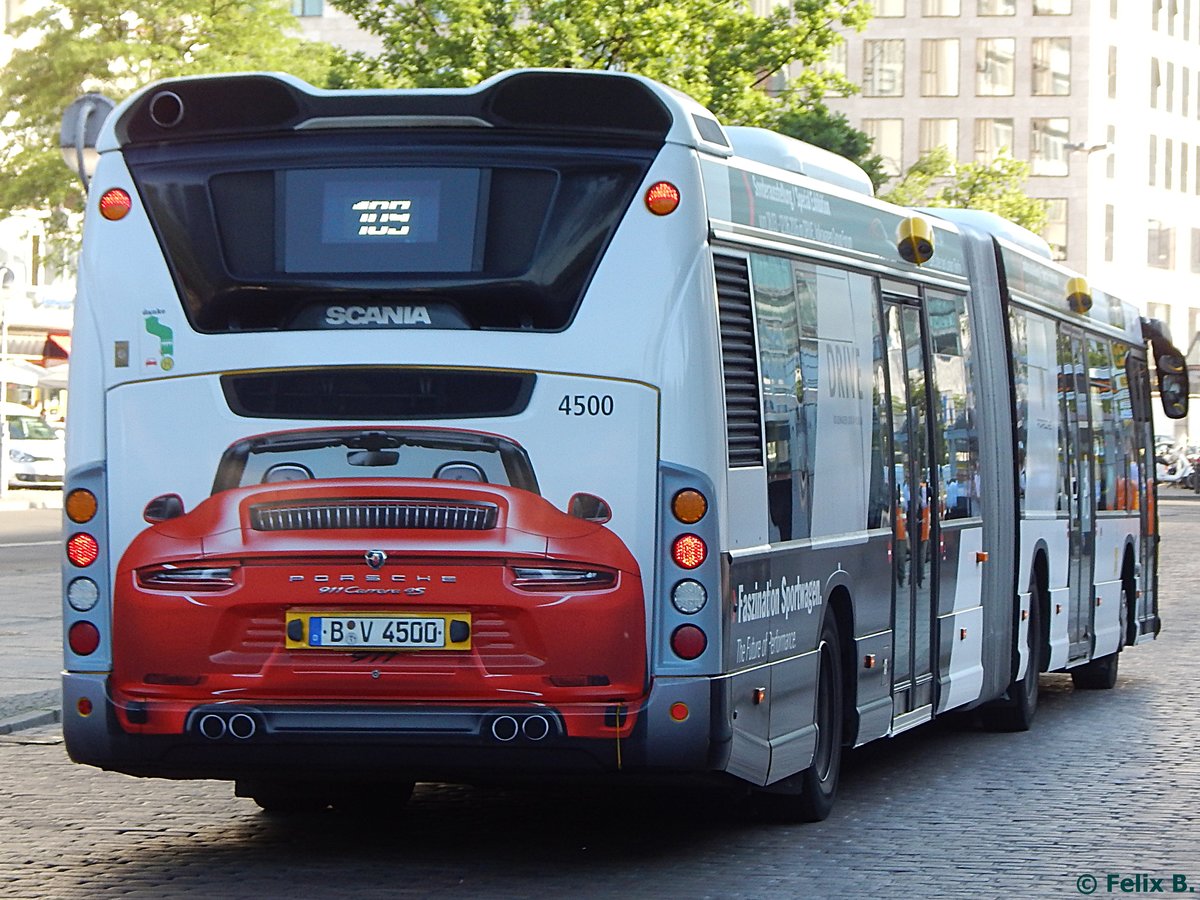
x: 702, y: 465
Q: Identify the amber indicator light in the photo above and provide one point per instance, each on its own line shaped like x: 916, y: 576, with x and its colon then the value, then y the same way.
x: 689, y: 506
x: 81, y: 506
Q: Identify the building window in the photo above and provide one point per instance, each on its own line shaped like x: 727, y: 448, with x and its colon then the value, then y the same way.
x: 994, y: 58
x: 1196, y: 249
x: 1185, y: 91
x: 1110, y: 215
x: 307, y: 7
x: 1153, y: 160
x: 1170, y: 87
x: 939, y: 133
x: 888, y: 9
x: 1112, y: 72
x: 1056, y: 227
x: 835, y: 63
x: 1169, y: 164
x: 887, y: 140
x: 939, y: 68
x: 1185, y: 157
x: 997, y: 7
x: 1160, y: 245
x: 1156, y: 8
x: 1110, y: 158
x: 1155, y: 82
x: 1051, y: 7
x: 883, y: 68
x: 941, y: 7
x: 1048, y: 146
x: 992, y: 138
x: 1051, y: 67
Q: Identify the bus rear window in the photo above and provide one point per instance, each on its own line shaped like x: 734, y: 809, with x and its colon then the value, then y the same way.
x: 272, y: 233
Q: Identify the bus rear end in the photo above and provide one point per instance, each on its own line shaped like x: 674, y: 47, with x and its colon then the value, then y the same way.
x: 365, y: 469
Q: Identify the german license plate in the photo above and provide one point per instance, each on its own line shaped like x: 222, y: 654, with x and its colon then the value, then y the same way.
x: 377, y: 631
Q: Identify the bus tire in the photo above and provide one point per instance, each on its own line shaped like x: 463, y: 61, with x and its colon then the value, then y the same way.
x: 1097, y: 675
x: 1019, y: 707
x: 809, y: 796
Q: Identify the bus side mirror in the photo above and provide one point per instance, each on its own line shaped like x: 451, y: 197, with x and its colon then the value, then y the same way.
x: 590, y: 508
x: 1172, y: 382
x: 163, y: 508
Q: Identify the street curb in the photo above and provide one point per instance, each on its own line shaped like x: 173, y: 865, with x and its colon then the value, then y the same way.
x: 32, y: 719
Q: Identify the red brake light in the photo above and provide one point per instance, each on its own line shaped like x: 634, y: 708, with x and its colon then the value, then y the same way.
x: 689, y: 551
x: 83, y: 638
x: 688, y: 641
x: 115, y: 204
x: 82, y: 549
x: 662, y: 198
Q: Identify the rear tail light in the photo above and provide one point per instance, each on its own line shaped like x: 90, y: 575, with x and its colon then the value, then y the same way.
x: 688, y: 641
x: 82, y: 594
x: 198, y: 578
x: 662, y: 198
x: 115, y: 204
x: 81, y: 506
x: 83, y: 638
x: 551, y: 578
x: 689, y: 551
x: 689, y: 597
x: 82, y: 549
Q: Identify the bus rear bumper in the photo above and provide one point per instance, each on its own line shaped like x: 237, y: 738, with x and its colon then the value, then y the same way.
x: 669, y: 731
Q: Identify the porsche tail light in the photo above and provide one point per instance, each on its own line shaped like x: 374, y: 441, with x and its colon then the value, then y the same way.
x: 555, y: 578
x: 194, y: 578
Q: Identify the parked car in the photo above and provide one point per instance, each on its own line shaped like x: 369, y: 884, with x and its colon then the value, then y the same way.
x: 36, y: 456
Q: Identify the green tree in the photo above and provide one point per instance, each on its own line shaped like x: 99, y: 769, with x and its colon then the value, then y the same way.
x: 717, y: 51
x: 114, y: 46
x: 997, y: 186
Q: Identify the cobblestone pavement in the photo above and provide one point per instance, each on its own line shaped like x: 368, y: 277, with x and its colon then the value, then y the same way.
x: 1106, y: 783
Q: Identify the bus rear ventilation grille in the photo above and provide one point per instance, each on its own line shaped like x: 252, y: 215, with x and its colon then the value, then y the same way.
x: 743, y: 419
x: 373, y: 514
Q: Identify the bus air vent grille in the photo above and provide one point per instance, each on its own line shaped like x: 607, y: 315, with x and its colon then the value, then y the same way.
x: 742, y: 406
x: 373, y: 514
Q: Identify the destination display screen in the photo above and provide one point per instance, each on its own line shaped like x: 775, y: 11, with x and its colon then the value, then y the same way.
x: 387, y: 220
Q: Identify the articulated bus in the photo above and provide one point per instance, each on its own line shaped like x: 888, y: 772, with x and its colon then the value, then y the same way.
x: 550, y: 429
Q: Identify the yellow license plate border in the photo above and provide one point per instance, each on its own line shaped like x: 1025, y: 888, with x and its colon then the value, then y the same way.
x: 306, y: 616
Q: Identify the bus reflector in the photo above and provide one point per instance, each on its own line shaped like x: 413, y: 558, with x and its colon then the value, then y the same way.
x: 115, y: 204
x: 84, y: 706
x: 679, y: 712
x: 83, y: 638
x: 689, y: 551
x: 688, y: 642
x: 82, y: 549
x: 81, y: 506
x: 689, y: 506
x: 662, y: 198
x: 689, y: 596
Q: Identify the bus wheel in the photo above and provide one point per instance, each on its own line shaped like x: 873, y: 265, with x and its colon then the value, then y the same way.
x: 1098, y: 675
x: 1017, y: 710
x: 808, y: 796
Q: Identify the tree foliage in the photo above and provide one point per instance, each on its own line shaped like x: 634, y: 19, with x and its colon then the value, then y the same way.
x: 998, y: 186
x: 717, y: 51
x: 69, y: 47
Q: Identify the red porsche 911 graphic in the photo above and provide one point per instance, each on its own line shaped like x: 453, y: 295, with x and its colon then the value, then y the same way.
x: 405, y: 573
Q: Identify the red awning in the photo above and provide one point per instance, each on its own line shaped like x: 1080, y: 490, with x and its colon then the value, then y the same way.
x: 57, y: 347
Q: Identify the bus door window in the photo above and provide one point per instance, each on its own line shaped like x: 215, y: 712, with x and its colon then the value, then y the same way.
x: 956, y: 443
x: 914, y: 498
x: 1077, y: 444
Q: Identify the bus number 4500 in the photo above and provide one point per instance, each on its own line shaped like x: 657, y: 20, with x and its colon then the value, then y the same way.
x: 586, y: 405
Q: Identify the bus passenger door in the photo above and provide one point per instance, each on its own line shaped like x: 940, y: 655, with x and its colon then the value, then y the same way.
x: 1081, y: 527
x: 914, y: 522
